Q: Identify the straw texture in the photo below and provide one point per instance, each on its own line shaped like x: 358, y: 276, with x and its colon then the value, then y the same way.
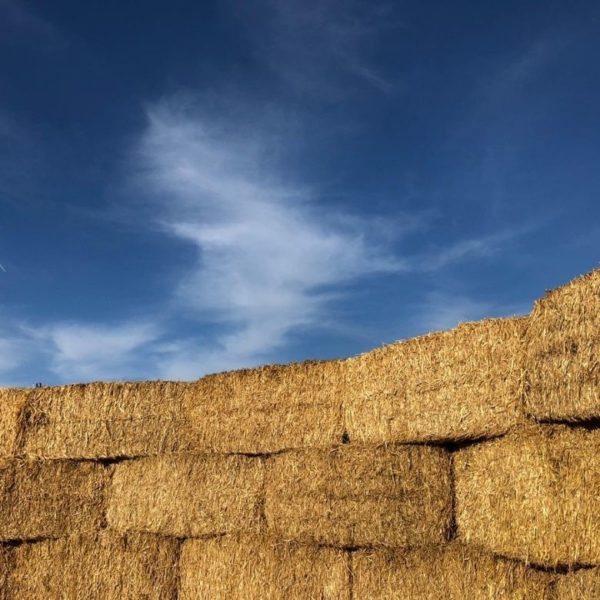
x: 563, y: 352
x: 268, y: 409
x: 105, y: 420
x: 453, y: 572
x: 187, y: 496
x: 6, y: 568
x: 580, y: 585
x: 257, y: 568
x: 12, y: 402
x: 533, y: 496
x: 353, y: 496
x: 95, y: 567
x: 49, y: 499
x: 454, y: 385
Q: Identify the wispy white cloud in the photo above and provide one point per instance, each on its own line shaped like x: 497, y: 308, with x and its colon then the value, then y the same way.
x: 268, y: 255
x: 96, y: 351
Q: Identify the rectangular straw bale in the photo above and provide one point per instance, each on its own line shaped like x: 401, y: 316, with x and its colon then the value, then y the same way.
x: 583, y: 584
x: 452, y: 572
x: 50, y: 498
x: 12, y: 401
x: 268, y: 409
x: 563, y: 352
x: 459, y: 384
x: 533, y: 496
x: 187, y: 496
x: 257, y: 568
x: 106, y: 420
x: 354, y: 496
x: 96, y: 566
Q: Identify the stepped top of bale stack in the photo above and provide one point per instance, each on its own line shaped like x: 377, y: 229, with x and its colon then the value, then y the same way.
x: 460, y: 464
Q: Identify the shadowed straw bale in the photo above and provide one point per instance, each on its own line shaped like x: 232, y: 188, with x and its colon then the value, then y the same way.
x: 6, y: 567
x: 533, y: 496
x: 353, y: 496
x: 452, y: 572
x: 104, y: 420
x: 12, y: 402
x: 187, y: 495
x: 97, y: 566
x: 453, y: 385
x: 563, y: 352
x: 268, y: 409
x: 50, y: 499
x: 583, y: 584
x: 255, y: 568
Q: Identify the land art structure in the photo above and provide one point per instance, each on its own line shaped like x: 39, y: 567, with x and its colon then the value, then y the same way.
x: 458, y: 465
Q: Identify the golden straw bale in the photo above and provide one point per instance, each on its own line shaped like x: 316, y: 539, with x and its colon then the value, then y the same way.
x: 268, y: 409
x: 12, y: 401
x: 105, y: 420
x: 97, y: 566
x: 583, y: 584
x: 257, y: 568
x: 534, y: 496
x: 451, y: 572
x: 353, y: 495
x: 50, y: 498
x: 563, y: 352
x: 453, y: 385
x: 187, y: 495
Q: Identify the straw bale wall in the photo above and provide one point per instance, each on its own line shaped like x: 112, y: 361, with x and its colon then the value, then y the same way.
x: 462, y: 465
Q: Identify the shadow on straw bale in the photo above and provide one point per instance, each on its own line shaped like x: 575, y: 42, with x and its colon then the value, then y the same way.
x: 353, y: 495
x: 452, y: 572
x: 453, y: 385
x: 105, y: 420
x: 563, y: 346
x: 12, y: 402
x: 187, y: 495
x: 583, y: 584
x: 257, y: 568
x: 534, y: 496
x: 97, y: 566
x: 268, y: 409
x: 50, y: 499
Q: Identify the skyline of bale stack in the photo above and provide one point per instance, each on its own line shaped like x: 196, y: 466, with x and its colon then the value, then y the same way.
x: 308, y: 486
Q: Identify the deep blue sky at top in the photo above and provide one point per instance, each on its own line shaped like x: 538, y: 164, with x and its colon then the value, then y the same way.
x: 188, y: 187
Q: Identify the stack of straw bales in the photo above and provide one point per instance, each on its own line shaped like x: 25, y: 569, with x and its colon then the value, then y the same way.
x: 461, y: 465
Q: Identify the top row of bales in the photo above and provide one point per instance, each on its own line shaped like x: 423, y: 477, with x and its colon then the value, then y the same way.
x: 479, y: 380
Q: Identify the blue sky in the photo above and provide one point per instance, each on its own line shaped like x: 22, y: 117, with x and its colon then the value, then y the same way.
x: 193, y: 187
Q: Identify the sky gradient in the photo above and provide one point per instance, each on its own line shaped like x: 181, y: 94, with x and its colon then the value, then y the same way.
x: 202, y: 186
